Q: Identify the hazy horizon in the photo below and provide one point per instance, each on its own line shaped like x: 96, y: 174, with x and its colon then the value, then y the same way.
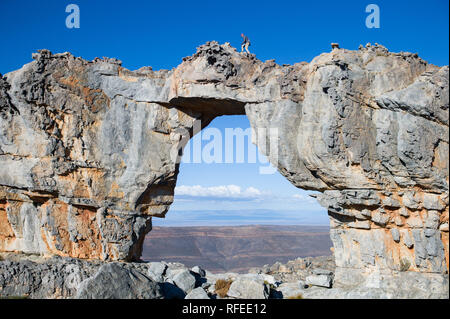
x: 242, y: 217
x: 235, y: 248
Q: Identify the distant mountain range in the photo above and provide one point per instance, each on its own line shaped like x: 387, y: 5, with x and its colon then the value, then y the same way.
x: 235, y: 248
x: 235, y: 217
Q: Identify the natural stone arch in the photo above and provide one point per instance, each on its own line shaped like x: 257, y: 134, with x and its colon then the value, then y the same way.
x: 87, y: 150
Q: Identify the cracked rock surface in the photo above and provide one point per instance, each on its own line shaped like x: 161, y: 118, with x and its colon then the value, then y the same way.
x: 89, y: 151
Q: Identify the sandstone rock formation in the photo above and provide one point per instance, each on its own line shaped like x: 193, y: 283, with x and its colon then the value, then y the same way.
x: 89, y: 150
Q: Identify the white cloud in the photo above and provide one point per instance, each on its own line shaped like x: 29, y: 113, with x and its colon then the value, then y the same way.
x: 231, y: 192
x: 232, y: 196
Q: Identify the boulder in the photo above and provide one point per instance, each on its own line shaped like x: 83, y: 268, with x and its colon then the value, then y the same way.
x: 245, y: 288
x: 197, y: 293
x: 320, y: 271
x: 156, y: 271
x: 185, y: 280
x: 290, y: 290
x: 115, y: 281
x: 198, y: 270
x: 319, y: 280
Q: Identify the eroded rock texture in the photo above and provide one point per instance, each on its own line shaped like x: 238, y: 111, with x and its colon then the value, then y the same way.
x: 89, y: 150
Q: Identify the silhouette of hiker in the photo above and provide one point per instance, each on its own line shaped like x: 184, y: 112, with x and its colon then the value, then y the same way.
x: 245, y: 44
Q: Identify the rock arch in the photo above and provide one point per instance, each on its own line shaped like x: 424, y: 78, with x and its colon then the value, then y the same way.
x: 89, y: 151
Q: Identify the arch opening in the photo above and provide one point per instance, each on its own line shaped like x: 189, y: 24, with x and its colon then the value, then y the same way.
x: 233, y: 210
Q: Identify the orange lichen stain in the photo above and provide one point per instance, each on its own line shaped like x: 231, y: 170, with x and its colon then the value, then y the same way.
x: 122, y: 164
x: 174, y: 81
x: 59, y: 215
x: 83, y: 220
x: 74, y: 183
x: 81, y: 182
x: 115, y: 191
x: 6, y: 195
x: 394, y: 249
x: 95, y: 99
x: 5, y: 227
x: 13, y: 208
x: 127, y: 75
x: 89, y: 245
x: 96, y: 180
x: 128, y: 78
x: 70, y: 81
x: 444, y: 216
x: 45, y: 239
x: 6, y: 232
x: 64, y: 124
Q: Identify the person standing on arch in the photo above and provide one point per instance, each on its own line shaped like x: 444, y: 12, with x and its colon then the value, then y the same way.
x: 245, y: 44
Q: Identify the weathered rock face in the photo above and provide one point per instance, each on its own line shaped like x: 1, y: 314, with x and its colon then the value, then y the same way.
x: 89, y: 151
x: 86, y: 157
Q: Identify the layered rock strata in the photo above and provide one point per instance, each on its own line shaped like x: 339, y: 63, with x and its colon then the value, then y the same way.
x: 89, y: 151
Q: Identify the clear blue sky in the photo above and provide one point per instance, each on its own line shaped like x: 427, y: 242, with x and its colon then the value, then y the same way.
x: 161, y: 33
